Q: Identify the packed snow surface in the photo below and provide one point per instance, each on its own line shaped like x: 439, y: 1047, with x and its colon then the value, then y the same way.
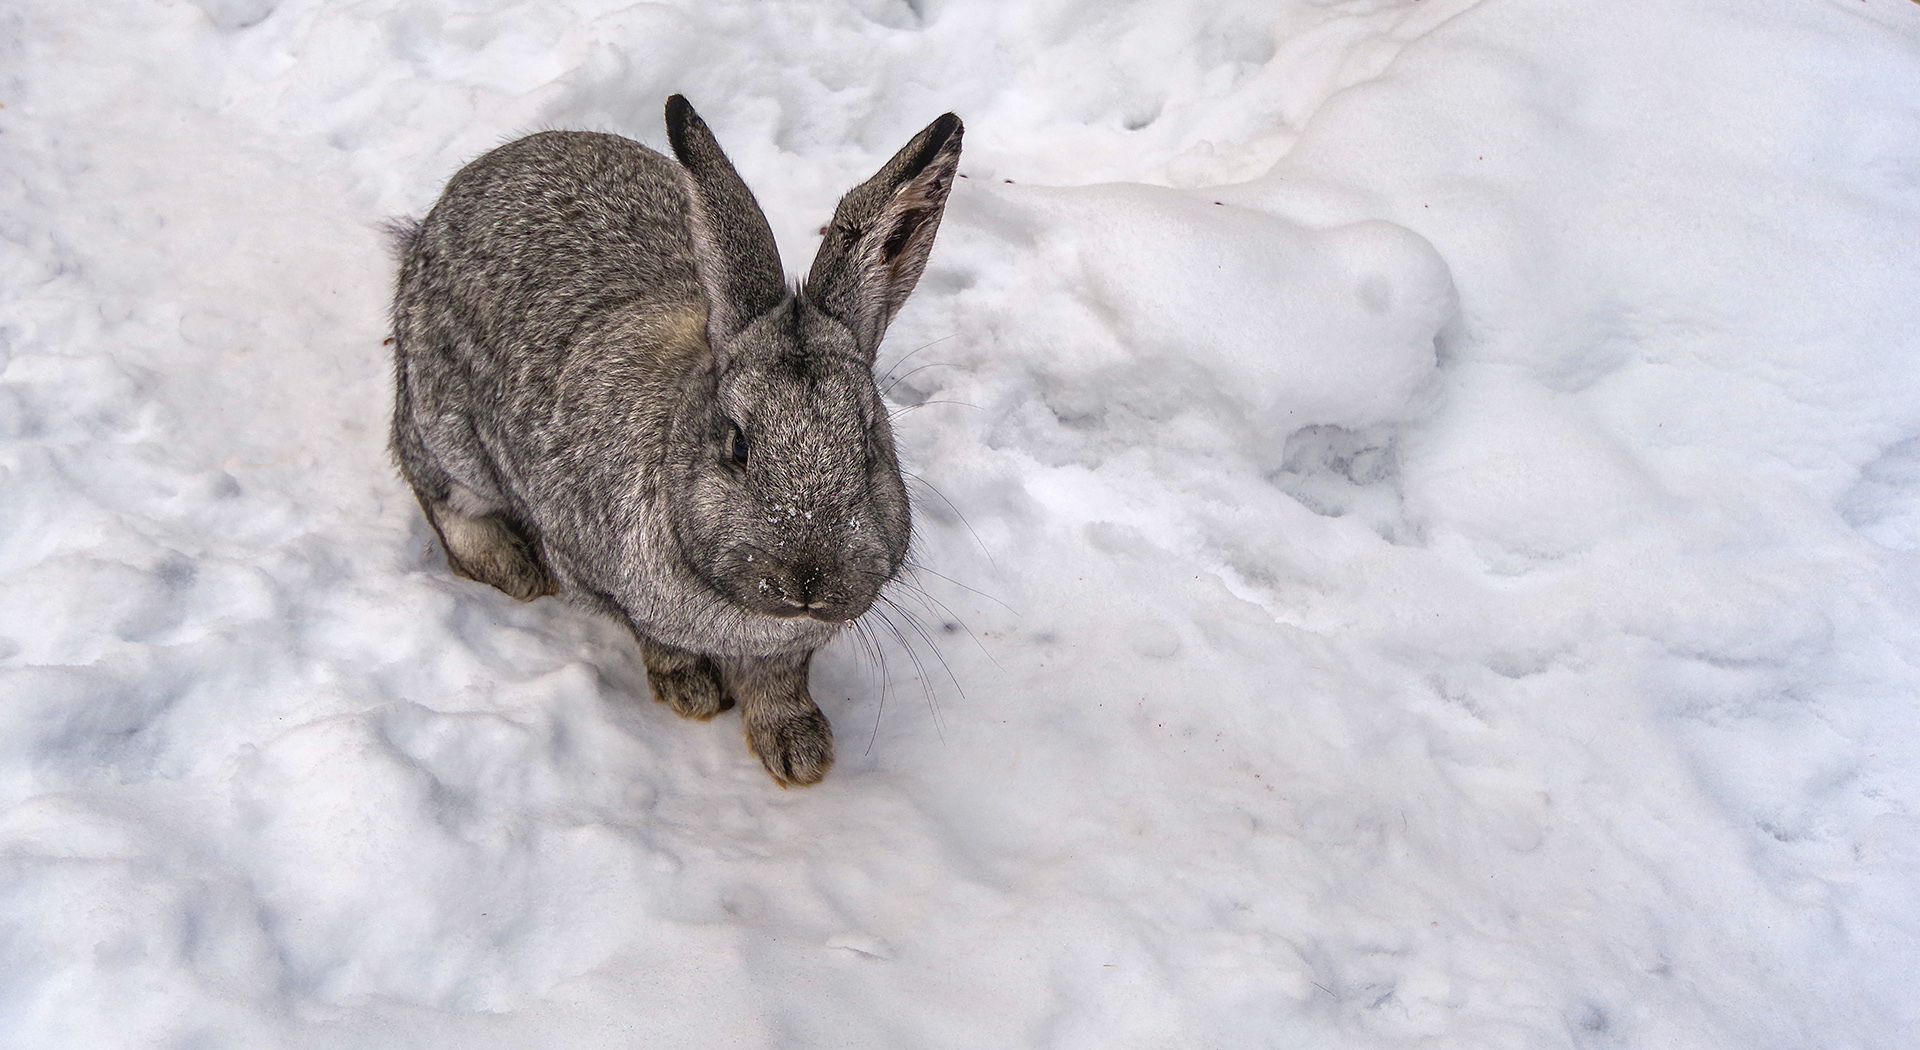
x: 1418, y: 516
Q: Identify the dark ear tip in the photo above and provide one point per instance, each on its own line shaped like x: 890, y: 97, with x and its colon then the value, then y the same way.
x: 679, y: 114
x: 946, y: 126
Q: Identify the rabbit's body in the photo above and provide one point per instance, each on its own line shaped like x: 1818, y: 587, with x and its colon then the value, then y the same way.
x: 605, y: 390
x: 550, y: 317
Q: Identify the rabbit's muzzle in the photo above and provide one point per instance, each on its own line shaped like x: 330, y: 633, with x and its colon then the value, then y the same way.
x: 810, y: 588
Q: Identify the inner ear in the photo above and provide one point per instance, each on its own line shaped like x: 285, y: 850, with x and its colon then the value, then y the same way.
x: 903, y: 232
x: 882, y: 231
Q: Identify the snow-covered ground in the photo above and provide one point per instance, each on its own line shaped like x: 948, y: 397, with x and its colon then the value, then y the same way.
x: 1419, y: 506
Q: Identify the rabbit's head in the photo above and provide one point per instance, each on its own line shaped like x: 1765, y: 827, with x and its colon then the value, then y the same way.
x: 791, y: 502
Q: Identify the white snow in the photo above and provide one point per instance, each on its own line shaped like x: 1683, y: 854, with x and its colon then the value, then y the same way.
x: 1419, y: 503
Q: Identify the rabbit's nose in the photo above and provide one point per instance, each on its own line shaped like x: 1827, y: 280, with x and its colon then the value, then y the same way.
x: 791, y: 590
x: 807, y: 590
x: 786, y: 597
x: 838, y: 611
x: 831, y: 605
x: 833, y: 601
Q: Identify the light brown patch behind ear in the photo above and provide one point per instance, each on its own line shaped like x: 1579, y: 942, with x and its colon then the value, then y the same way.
x: 682, y: 330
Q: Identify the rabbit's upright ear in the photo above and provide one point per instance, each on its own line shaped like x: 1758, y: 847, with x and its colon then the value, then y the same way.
x: 733, y: 246
x: 881, y: 233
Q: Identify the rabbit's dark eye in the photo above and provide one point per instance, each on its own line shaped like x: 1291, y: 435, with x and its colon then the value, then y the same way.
x: 739, y: 447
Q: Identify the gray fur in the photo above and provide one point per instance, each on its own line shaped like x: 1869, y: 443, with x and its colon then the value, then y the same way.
x: 580, y: 325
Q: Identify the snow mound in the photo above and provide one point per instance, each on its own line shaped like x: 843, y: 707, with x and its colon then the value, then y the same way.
x: 1417, y: 505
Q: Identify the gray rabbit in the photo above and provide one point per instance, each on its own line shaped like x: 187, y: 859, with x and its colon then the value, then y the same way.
x: 605, y: 389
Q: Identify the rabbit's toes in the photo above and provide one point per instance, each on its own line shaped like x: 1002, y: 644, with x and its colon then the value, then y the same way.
x: 692, y: 690
x: 797, y: 750
x: 492, y: 551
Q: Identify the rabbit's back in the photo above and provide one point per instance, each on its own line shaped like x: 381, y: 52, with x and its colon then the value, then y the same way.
x: 543, y: 307
x: 541, y: 237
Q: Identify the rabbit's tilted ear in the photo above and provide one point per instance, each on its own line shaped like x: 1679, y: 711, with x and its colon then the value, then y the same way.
x: 733, y: 246
x: 881, y: 233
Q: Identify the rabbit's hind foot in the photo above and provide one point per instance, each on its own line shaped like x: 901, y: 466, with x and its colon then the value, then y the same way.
x: 488, y: 548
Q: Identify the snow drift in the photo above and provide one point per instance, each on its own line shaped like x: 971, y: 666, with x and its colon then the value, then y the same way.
x: 1418, y: 510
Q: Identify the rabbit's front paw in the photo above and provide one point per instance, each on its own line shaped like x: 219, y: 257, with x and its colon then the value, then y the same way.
x: 796, y: 749
x: 691, y: 689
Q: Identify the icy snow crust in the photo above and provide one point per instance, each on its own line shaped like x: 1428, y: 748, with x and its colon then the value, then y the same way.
x: 1424, y: 550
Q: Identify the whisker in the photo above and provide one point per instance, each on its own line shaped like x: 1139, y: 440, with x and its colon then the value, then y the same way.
x: 949, y: 617
x: 926, y: 684
x: 920, y: 629
x: 904, y: 409
x: 916, y: 567
x: 902, y: 377
x: 909, y: 357
x: 872, y: 648
x: 956, y: 513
